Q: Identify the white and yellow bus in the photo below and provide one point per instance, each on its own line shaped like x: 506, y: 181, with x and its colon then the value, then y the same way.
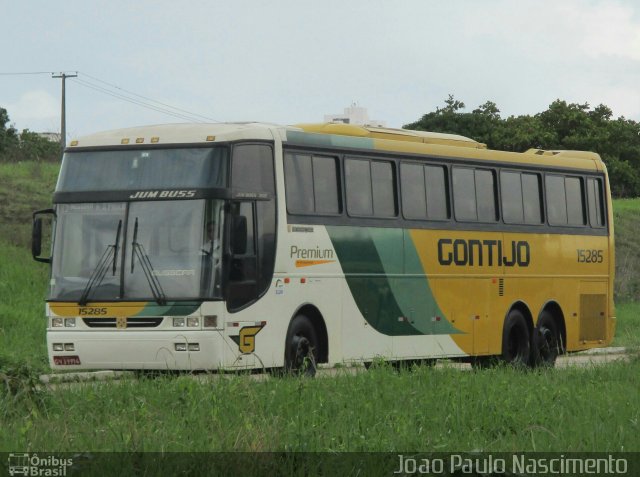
x: 234, y: 246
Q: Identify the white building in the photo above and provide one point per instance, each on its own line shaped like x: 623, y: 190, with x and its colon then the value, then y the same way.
x: 354, y: 114
x: 51, y: 136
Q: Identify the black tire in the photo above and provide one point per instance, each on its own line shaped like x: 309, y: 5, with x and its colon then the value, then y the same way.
x: 516, y: 344
x: 301, y: 352
x: 545, y: 342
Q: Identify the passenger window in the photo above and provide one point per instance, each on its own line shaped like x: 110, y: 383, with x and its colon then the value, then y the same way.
x: 556, y: 200
x: 474, y: 194
x: 486, y: 196
x: 414, y: 202
x: 312, y: 184
x: 464, y: 194
x: 358, y: 185
x: 575, y: 202
x: 437, y: 197
x: 565, y: 200
x: 325, y: 185
x: 520, y: 198
x: 532, y: 198
x: 596, y: 205
x: 511, y: 195
x: 384, y: 190
x: 299, y: 183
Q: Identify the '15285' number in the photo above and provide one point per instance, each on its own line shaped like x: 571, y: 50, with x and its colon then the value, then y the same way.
x: 590, y: 256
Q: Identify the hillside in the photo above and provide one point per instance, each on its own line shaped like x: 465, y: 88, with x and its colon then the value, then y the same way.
x: 28, y: 186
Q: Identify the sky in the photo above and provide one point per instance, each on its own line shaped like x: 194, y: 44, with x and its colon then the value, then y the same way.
x: 291, y: 61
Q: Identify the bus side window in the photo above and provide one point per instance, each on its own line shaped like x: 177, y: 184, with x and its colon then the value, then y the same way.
x: 253, y: 168
x: 565, y: 205
x: 596, y: 208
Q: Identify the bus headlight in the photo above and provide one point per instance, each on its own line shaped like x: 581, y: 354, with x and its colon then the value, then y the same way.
x: 58, y: 347
x: 57, y: 322
x: 178, y: 321
x: 193, y: 321
x: 70, y: 322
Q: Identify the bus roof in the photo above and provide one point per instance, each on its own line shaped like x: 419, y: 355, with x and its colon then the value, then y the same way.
x: 180, y: 133
x: 335, y: 135
x: 424, y: 137
x: 433, y: 144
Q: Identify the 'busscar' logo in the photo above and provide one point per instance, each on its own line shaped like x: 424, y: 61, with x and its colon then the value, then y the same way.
x: 163, y: 194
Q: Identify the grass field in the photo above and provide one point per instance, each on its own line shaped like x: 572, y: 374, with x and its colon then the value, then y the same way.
x: 581, y: 409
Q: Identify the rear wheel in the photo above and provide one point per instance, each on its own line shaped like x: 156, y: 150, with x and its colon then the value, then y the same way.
x: 545, y: 341
x: 301, y: 353
x: 516, y: 347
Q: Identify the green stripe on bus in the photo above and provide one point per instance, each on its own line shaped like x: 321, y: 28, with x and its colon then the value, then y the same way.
x: 387, y: 282
x: 329, y: 140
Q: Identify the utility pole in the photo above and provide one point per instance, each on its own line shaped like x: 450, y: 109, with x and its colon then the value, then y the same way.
x: 63, y: 120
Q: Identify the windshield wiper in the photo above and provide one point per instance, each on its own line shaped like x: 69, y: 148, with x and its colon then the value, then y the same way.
x: 100, y: 271
x: 115, y: 247
x: 139, y: 251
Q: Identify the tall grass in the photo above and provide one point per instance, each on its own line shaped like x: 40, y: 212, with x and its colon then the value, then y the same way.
x: 24, y: 188
x: 580, y: 409
x: 627, y: 223
x: 22, y: 307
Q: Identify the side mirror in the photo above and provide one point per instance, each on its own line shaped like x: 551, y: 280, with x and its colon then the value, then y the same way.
x: 36, y: 236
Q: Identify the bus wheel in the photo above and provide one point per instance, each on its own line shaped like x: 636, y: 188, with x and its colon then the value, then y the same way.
x: 302, y: 347
x: 515, y: 339
x: 545, y: 342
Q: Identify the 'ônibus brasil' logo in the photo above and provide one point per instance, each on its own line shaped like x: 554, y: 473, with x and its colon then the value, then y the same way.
x: 33, y: 464
x: 462, y: 252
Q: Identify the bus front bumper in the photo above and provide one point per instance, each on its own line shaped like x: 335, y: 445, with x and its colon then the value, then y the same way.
x: 159, y: 350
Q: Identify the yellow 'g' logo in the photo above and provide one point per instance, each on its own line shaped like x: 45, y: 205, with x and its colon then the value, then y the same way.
x: 247, y: 341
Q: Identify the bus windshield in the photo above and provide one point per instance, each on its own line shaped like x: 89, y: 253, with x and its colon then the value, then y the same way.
x: 155, y: 250
x: 138, y: 169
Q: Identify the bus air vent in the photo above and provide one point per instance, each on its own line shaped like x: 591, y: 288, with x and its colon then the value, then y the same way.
x: 501, y: 287
x: 132, y: 322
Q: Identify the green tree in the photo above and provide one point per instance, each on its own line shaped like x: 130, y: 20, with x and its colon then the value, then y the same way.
x: 8, y: 135
x: 563, y: 125
x: 25, y: 146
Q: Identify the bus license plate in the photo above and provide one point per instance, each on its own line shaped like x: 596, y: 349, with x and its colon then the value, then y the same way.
x: 66, y: 360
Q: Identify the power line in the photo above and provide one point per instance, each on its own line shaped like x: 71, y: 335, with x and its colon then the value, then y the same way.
x: 135, y: 101
x: 122, y: 94
x: 28, y: 73
x: 148, y: 99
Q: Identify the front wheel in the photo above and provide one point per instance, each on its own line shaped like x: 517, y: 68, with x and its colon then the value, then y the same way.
x: 301, y: 352
x: 516, y: 347
x: 545, y: 342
